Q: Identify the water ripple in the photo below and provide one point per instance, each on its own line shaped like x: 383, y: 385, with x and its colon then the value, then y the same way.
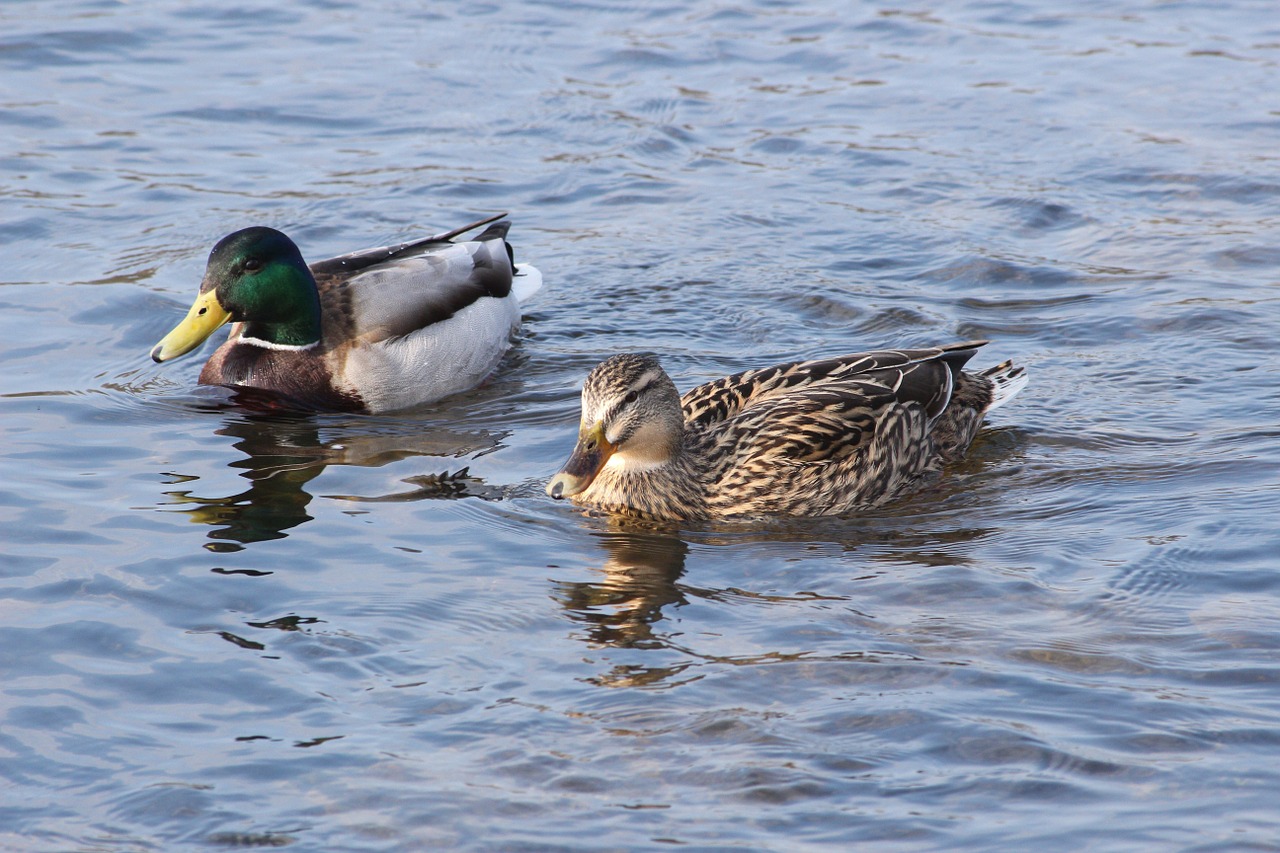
x: 232, y: 625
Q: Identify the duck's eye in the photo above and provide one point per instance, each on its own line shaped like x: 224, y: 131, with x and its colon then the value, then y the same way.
x: 631, y: 397
x: 252, y: 265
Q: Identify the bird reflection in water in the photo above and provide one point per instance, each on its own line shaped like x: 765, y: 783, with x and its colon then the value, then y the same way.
x: 630, y: 606
x: 638, y: 581
x: 284, y: 451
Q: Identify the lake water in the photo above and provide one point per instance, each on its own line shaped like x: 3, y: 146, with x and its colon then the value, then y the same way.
x: 219, y: 629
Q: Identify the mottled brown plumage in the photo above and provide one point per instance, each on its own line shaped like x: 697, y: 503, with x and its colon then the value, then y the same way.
x: 825, y: 437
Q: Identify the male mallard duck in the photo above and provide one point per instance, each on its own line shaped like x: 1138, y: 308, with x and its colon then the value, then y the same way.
x: 372, y: 331
x: 824, y: 437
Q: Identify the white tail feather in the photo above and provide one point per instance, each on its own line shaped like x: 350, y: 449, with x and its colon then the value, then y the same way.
x: 1008, y: 379
x: 526, y: 282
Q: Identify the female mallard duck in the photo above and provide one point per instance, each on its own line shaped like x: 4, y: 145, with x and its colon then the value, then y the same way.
x: 823, y: 437
x: 372, y: 331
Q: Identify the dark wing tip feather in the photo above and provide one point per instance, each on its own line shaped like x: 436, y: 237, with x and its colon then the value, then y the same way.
x: 360, y: 260
x: 957, y: 355
x: 496, y: 231
x: 457, y: 232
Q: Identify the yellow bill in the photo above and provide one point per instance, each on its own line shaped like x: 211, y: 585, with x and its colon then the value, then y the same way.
x: 204, y: 318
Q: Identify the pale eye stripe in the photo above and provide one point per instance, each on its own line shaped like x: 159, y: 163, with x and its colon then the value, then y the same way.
x: 639, y: 387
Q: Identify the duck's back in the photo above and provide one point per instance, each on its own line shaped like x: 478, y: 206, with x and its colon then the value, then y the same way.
x: 419, y: 285
x: 433, y: 320
x: 836, y: 435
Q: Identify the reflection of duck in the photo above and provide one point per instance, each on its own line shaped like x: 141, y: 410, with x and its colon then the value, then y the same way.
x: 807, y: 438
x: 640, y: 576
x: 283, y: 454
x: 374, y: 330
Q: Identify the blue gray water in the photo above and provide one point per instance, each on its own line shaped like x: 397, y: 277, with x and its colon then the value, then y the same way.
x: 377, y: 634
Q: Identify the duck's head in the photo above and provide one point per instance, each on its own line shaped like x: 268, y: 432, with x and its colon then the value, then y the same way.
x: 631, y: 419
x: 255, y: 276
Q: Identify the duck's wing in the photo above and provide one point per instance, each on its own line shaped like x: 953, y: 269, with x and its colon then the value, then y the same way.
x: 390, y: 292
x: 812, y: 425
x: 832, y: 446
x: 353, y: 262
x: 725, y: 398
x: 848, y: 446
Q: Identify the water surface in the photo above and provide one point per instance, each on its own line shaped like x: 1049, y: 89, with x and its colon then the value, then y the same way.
x: 376, y: 633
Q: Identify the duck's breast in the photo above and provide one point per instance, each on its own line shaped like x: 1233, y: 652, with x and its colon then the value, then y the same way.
x: 303, y: 376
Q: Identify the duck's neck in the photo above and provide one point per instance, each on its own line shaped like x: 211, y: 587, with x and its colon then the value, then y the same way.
x: 276, y: 336
x: 667, y: 490
x: 297, y: 326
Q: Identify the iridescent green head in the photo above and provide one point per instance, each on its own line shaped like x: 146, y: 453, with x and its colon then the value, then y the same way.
x: 255, y: 276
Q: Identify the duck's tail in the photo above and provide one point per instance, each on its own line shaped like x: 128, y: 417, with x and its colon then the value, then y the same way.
x: 1007, y: 379
x: 526, y: 282
x: 526, y: 279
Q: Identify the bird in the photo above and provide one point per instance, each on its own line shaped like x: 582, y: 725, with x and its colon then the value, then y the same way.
x: 372, y: 331
x: 825, y: 437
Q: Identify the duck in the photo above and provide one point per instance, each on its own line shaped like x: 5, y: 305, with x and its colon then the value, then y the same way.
x: 825, y: 437
x: 371, y: 331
